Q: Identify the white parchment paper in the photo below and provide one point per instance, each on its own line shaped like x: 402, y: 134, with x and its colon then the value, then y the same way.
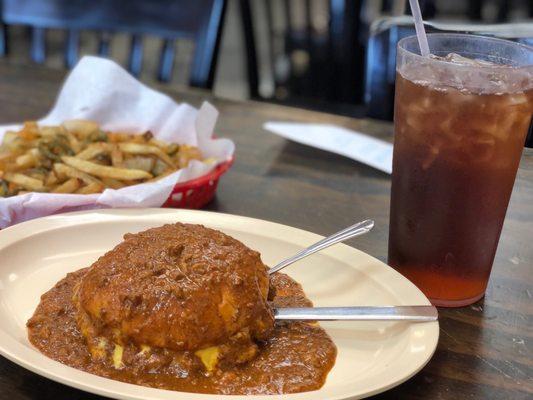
x: 337, y: 139
x: 102, y: 91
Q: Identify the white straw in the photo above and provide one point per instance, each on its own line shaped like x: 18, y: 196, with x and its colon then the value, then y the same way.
x: 419, y: 26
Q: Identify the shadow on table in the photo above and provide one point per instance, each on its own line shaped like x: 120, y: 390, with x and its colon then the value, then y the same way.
x: 296, y: 154
x: 27, y: 385
x: 451, y: 365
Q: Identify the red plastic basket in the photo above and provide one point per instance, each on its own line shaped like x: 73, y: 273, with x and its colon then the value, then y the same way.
x: 196, y: 193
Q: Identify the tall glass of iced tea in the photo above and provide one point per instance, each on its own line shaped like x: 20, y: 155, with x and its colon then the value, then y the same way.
x: 460, y: 121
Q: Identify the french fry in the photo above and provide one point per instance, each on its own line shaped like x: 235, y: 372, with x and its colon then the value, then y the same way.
x: 36, y: 173
x: 159, y: 167
x: 10, y: 167
x: 162, y: 175
x: 94, y: 150
x: 136, y: 139
x: 91, y: 188
x: 10, y: 137
x: 48, y: 131
x: 168, y: 148
x: 74, y: 142
x: 147, y: 136
x: 13, y: 187
x: 116, y: 137
x: 60, y: 173
x: 210, y: 161
x: 51, y: 179
x: 25, y: 181
x: 30, y: 131
x: 79, y: 157
x: 139, y: 162
x: 116, y: 157
x: 135, y: 148
x: 81, y: 127
x: 69, y: 186
x: 113, y: 183
x: 6, y: 156
x: 105, y: 171
x: 27, y: 160
x: 66, y: 170
x: 186, y: 154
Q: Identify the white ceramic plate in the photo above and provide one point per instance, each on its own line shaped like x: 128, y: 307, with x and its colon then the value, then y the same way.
x: 372, y: 356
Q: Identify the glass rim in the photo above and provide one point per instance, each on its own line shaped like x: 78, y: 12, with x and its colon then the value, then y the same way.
x: 527, y: 48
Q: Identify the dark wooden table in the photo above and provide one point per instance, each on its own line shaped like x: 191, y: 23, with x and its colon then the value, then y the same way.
x: 485, y: 350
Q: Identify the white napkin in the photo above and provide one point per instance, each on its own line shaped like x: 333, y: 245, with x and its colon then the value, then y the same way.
x: 355, y: 145
x: 101, y: 90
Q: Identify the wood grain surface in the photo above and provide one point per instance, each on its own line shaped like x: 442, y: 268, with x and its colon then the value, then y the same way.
x: 485, y: 350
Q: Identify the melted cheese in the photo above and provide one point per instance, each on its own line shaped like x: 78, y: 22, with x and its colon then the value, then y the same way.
x: 227, y: 308
x: 145, y: 348
x: 117, y: 356
x: 99, y: 350
x: 209, y: 357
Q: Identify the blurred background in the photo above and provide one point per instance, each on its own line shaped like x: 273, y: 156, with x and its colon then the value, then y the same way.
x: 331, y: 55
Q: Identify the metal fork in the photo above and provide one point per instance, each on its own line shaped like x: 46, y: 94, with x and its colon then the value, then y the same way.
x: 355, y: 230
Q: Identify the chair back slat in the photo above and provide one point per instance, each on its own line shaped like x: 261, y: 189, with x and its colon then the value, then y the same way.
x: 136, y: 55
x: 38, y: 45
x: 104, y: 43
x: 207, y: 45
x: 314, y: 51
x: 166, y: 18
x: 272, y: 40
x: 249, y: 41
x: 166, y: 60
x: 474, y: 9
x: 3, y: 40
x: 346, y: 53
x: 72, y: 47
x: 308, y: 17
x: 287, y: 8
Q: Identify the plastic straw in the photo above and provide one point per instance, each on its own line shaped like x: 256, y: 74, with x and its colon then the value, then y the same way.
x: 419, y: 26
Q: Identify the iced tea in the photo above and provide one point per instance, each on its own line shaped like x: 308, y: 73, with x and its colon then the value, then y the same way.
x: 457, y: 145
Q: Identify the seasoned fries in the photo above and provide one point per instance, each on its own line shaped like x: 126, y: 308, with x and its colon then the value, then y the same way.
x: 106, y: 172
x: 93, y: 151
x: 24, y: 181
x: 134, y: 148
x: 65, y: 170
x: 113, y: 183
x: 79, y: 157
x: 91, y: 188
x: 69, y: 186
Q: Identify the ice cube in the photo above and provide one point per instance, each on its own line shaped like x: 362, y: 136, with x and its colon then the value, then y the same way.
x: 481, y: 149
x: 431, y: 156
x: 505, y: 124
x: 516, y: 99
x: 446, y: 125
x: 461, y: 60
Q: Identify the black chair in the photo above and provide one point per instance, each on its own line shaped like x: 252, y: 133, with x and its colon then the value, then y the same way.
x: 198, y: 20
x: 302, y: 62
x: 427, y: 7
